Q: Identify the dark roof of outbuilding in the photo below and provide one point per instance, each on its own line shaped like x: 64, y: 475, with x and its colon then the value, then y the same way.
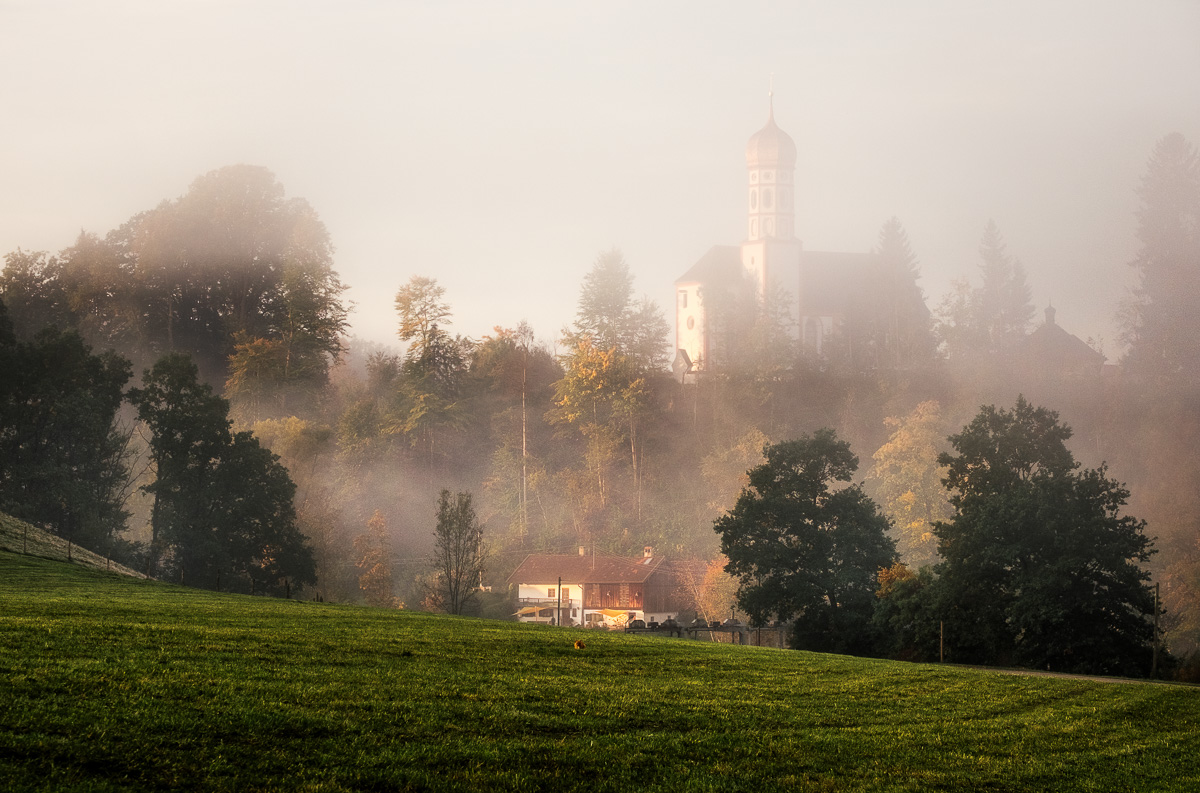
x: 1053, y: 346
x: 543, y: 568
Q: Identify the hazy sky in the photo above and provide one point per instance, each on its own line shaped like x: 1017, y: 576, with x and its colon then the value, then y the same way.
x: 500, y: 146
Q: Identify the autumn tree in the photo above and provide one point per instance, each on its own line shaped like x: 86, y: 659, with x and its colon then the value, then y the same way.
x: 458, y: 556
x: 805, y: 548
x: 426, y: 403
x: 1041, y: 568
x: 373, y: 548
x: 604, y: 394
x: 512, y: 380
x: 609, y: 318
x: 909, y: 482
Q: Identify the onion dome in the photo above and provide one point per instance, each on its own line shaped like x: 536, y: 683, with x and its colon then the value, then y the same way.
x: 771, y: 147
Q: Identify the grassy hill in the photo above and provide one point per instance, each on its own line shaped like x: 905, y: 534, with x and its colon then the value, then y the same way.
x: 113, y: 683
x: 21, y: 537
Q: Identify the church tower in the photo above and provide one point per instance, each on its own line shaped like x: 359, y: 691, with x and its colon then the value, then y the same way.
x: 771, y: 252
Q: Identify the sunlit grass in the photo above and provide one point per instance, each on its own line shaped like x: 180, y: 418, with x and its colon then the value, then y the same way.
x: 108, y: 683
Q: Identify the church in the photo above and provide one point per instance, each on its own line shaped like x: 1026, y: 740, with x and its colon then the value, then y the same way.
x: 818, y: 288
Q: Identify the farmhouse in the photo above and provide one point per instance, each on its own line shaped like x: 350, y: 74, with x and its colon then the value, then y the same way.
x: 594, y: 590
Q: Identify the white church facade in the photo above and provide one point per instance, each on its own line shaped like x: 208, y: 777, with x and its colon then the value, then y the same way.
x: 818, y: 287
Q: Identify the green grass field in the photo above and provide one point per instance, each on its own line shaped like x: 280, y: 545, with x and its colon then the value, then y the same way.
x: 111, y: 683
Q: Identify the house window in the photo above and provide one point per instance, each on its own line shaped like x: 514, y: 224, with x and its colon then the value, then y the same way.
x: 683, y: 298
x: 550, y: 592
x: 566, y: 593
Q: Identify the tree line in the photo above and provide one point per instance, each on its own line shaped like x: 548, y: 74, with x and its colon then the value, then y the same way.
x: 591, y: 441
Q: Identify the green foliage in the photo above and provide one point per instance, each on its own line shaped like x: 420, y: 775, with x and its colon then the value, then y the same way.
x: 223, y: 505
x: 905, y: 618
x: 804, y: 550
x: 32, y: 290
x: 114, y: 684
x: 63, y: 459
x: 1041, y: 569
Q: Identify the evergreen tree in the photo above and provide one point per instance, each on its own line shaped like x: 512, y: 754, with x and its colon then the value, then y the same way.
x: 993, y: 318
x: 610, y: 319
x: 907, y: 340
x: 1164, y: 322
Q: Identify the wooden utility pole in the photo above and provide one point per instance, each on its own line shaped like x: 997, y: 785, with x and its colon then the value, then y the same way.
x: 941, y: 641
x: 558, y: 620
x: 1154, y: 662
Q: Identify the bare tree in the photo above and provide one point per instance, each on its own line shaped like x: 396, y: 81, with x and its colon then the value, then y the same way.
x: 458, y: 552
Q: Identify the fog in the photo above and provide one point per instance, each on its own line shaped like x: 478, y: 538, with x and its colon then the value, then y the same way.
x: 499, y: 147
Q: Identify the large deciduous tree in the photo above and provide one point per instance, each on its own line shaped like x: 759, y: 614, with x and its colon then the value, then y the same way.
x: 1041, y: 568
x: 804, y: 548
x: 232, y: 262
x: 63, y: 459
x: 223, y: 508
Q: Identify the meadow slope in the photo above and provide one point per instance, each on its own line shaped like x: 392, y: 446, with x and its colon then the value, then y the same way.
x: 112, y: 683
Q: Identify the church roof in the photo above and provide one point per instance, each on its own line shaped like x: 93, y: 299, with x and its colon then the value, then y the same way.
x: 542, y: 568
x: 771, y: 147
x: 719, y: 263
x: 829, y: 281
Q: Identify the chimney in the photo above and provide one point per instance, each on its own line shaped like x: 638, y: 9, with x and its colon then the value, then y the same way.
x: 583, y: 550
x: 648, y: 551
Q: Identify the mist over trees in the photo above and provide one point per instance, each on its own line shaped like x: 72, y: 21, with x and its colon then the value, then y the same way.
x: 331, y: 454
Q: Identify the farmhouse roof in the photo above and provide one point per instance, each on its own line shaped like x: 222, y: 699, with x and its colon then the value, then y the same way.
x: 542, y: 568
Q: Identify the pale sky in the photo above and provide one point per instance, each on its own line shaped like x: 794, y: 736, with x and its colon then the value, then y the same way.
x: 500, y: 146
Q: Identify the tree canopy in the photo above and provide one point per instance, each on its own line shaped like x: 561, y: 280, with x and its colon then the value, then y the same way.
x: 804, y: 548
x: 1041, y: 568
x: 63, y: 458
x: 223, y: 507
